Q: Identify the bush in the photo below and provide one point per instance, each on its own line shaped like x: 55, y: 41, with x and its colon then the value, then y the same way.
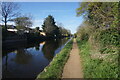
x: 85, y: 31
x: 106, y: 44
x: 83, y: 34
x: 109, y: 36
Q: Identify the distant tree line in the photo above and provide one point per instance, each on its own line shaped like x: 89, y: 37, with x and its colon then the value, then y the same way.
x: 53, y: 30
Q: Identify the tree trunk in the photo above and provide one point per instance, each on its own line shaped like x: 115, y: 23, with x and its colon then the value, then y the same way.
x: 5, y: 23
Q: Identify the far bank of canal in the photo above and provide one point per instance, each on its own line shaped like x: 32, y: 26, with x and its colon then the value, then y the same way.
x: 28, y: 60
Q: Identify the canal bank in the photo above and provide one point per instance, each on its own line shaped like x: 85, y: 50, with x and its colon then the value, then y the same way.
x: 55, y: 68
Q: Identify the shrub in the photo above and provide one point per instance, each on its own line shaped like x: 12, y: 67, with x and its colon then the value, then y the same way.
x: 110, y: 36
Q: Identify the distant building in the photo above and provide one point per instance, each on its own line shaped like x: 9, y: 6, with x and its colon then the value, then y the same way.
x: 42, y: 33
x: 12, y: 28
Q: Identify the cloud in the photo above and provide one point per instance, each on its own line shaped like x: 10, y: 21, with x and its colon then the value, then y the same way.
x: 37, y: 23
x: 8, y: 23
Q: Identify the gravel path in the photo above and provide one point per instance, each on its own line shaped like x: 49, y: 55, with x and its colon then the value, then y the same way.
x: 73, y: 67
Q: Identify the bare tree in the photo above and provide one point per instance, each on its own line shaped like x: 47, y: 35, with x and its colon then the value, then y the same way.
x: 8, y: 11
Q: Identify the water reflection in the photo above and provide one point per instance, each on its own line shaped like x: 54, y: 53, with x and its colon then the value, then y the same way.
x: 37, y: 47
x: 49, y: 48
x: 22, y: 56
x: 29, y: 60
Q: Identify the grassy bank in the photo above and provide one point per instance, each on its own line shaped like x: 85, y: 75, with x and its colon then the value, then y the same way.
x: 54, y: 70
x: 97, y: 65
x: 99, y: 39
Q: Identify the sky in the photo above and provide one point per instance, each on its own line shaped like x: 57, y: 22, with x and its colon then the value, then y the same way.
x: 63, y: 12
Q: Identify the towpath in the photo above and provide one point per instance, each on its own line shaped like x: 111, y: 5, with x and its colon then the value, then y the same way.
x: 73, y: 67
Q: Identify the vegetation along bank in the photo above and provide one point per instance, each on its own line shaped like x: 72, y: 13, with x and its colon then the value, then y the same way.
x: 99, y: 39
x: 55, y: 69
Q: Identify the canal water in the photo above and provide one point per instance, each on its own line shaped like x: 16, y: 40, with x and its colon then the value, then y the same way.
x: 28, y: 60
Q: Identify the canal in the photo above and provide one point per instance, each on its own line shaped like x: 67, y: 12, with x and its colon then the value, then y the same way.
x: 28, y: 60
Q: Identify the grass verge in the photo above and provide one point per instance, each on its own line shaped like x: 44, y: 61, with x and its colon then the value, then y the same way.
x: 54, y: 70
x: 97, y: 67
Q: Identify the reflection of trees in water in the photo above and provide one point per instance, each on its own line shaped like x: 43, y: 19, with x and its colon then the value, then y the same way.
x: 37, y: 47
x: 11, y: 48
x: 50, y: 47
x: 63, y: 41
x: 22, y: 56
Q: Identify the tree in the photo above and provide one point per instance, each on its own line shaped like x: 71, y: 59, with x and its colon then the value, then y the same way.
x: 8, y: 11
x: 37, y: 28
x: 62, y: 30
x: 100, y: 14
x: 23, y: 22
x: 49, y: 27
